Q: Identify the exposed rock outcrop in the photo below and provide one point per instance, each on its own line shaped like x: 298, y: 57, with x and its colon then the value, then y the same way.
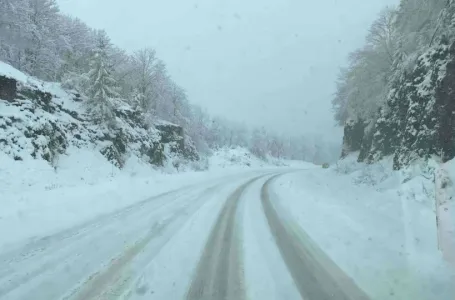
x: 8, y: 88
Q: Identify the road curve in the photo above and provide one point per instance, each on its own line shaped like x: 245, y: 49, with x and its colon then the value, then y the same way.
x: 316, y: 276
x: 219, y: 274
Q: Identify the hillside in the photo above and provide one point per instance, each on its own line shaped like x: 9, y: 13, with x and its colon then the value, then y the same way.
x: 396, y: 102
x: 41, y: 120
x: 402, y: 104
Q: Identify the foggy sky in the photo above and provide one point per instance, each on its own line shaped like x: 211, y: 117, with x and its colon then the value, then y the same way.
x: 264, y: 62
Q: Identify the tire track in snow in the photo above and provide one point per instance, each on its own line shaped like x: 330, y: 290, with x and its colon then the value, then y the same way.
x: 316, y: 276
x: 48, y: 249
x: 110, y: 283
x: 37, y: 246
x: 36, y: 266
x: 219, y: 274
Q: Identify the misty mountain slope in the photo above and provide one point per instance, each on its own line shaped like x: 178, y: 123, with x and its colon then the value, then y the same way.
x: 42, y: 121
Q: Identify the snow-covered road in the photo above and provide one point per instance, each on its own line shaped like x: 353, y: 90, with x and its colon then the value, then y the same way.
x: 219, y: 240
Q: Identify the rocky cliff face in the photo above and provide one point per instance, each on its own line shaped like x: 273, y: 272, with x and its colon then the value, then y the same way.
x: 418, y: 118
x: 41, y: 120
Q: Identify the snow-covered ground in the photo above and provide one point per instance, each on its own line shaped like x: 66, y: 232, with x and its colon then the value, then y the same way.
x: 240, y: 158
x: 38, y: 200
x: 377, y: 225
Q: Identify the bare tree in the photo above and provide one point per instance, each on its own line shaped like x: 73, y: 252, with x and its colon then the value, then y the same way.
x: 144, y: 62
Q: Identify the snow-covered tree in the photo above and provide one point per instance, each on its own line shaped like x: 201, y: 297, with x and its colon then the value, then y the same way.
x: 80, y: 40
x: 362, y: 87
x: 416, y: 21
x: 102, y: 88
x: 42, y: 58
x: 177, y: 99
x: 160, y: 87
x: 394, y: 96
x: 15, y: 30
x: 259, y: 143
x: 144, y: 64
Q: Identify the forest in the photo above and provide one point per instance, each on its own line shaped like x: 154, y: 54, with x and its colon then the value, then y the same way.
x: 396, y: 97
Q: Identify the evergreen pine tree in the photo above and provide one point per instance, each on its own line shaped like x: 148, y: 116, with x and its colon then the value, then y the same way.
x: 102, y: 90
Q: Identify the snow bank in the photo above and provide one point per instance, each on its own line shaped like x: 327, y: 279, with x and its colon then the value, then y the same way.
x: 376, y: 224
x: 241, y: 158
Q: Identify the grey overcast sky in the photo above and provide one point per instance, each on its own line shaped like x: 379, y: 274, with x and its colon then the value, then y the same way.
x: 264, y: 62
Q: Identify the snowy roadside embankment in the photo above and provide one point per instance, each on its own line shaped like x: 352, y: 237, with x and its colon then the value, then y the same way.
x: 377, y: 225
x: 38, y: 200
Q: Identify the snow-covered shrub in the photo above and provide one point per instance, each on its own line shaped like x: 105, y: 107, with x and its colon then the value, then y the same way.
x: 113, y: 155
x: 348, y: 165
x: 373, y: 174
x: 200, y: 165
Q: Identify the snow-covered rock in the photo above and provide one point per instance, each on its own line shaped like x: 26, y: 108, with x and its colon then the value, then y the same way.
x: 42, y: 120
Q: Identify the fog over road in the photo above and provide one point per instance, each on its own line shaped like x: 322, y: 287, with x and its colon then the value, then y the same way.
x: 224, y: 239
